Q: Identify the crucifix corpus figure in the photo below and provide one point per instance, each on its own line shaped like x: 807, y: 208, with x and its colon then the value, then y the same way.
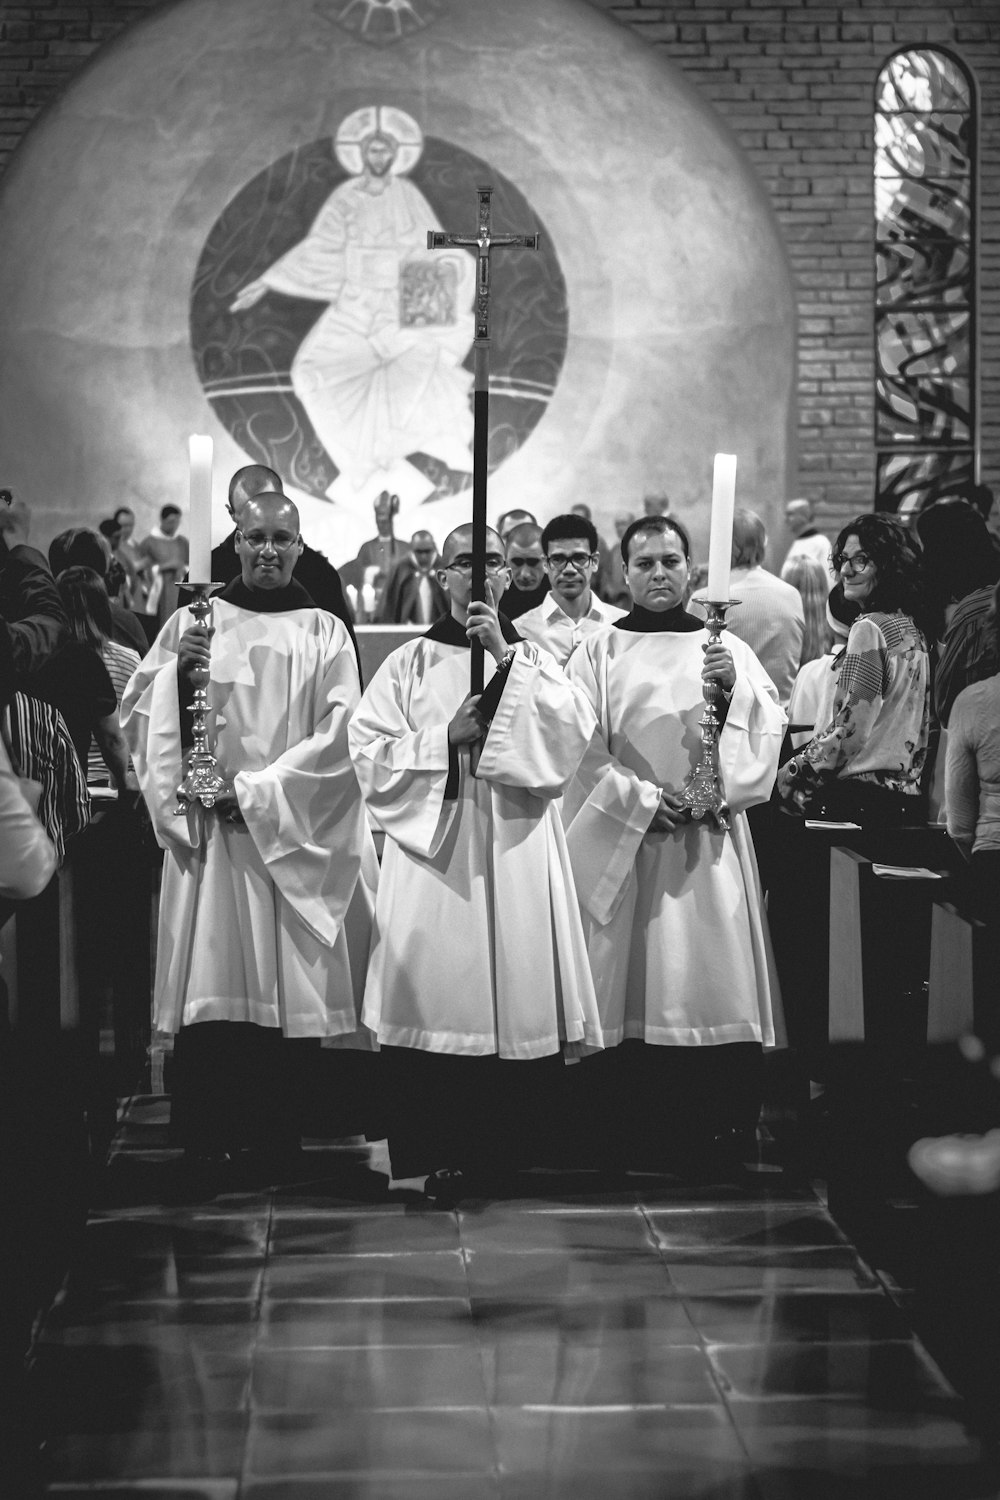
x: 483, y: 241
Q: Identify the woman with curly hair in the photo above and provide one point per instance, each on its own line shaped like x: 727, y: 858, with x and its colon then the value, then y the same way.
x: 867, y: 764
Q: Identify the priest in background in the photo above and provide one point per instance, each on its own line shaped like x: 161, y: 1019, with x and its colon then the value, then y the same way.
x: 413, y: 595
x: 571, y: 609
x: 478, y: 979
x: 267, y: 900
x: 676, y: 928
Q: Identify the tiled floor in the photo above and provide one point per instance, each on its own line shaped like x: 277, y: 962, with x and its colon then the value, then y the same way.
x: 330, y: 1339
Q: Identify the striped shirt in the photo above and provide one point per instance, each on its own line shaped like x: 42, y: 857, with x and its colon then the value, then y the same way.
x: 121, y: 662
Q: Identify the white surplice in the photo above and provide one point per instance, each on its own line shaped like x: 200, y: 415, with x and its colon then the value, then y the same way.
x: 268, y: 923
x: 676, y: 929
x: 478, y: 945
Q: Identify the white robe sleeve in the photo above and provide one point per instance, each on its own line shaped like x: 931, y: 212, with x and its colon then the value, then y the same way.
x: 402, y: 768
x: 750, y: 741
x: 541, y: 729
x: 607, y: 810
x: 304, y: 812
x: 150, y: 720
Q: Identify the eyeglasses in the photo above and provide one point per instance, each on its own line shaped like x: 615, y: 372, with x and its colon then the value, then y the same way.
x: 463, y: 563
x: 557, y: 561
x: 857, y: 563
x: 282, y: 541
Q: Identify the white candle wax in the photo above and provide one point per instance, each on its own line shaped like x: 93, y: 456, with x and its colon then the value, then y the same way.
x: 720, y: 543
x: 200, y: 512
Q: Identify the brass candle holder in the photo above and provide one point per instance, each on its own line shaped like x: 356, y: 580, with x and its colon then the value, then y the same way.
x: 202, y: 782
x: 702, y: 794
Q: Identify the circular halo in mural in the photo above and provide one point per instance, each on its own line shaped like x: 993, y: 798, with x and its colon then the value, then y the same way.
x: 336, y: 348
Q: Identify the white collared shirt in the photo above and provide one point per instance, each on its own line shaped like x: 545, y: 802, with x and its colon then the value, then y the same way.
x: 549, y: 626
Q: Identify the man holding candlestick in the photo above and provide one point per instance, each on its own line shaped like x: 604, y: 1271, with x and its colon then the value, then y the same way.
x: 673, y: 910
x: 265, y: 914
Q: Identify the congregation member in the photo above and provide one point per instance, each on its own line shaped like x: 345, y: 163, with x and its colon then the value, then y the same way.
x: 526, y: 564
x: 265, y: 916
x: 811, y: 703
x: 138, y: 568
x: 76, y: 679
x: 767, y: 613
x: 807, y: 543
x: 478, y: 979
x: 82, y: 547
x: 972, y: 798
x: 812, y: 580
x: 571, y: 609
x: 413, y: 595
x: 32, y: 618
x: 963, y: 564
x: 166, y: 550
x: 676, y: 929
x: 865, y: 766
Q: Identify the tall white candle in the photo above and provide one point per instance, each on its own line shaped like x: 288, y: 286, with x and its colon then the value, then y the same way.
x: 720, y: 542
x: 200, y: 513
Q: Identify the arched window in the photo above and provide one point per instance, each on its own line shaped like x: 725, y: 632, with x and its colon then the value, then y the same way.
x: 925, y: 347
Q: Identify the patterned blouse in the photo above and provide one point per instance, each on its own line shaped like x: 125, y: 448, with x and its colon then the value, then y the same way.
x: 881, y: 710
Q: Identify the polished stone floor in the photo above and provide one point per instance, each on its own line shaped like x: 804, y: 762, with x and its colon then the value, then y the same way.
x: 330, y: 1338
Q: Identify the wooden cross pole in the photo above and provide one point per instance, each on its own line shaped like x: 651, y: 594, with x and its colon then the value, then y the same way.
x: 483, y: 241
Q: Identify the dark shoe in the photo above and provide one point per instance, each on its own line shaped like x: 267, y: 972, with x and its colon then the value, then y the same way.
x: 446, y: 1187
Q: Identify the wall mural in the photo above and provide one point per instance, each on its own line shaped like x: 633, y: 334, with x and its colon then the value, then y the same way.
x: 335, y: 347
x: 221, y: 229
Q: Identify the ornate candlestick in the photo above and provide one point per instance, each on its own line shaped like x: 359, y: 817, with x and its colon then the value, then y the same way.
x: 202, y: 782
x: 702, y: 791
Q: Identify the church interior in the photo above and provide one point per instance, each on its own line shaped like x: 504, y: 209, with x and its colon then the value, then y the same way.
x: 768, y: 228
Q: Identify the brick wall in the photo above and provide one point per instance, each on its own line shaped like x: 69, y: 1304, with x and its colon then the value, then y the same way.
x: 795, y: 83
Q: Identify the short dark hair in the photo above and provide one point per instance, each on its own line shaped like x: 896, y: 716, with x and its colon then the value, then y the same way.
x: 124, y: 510
x: 561, y: 528
x: 87, y: 604
x: 655, y: 526
x: 80, y: 547
x: 960, y: 555
x: 901, y: 583
x: 169, y: 510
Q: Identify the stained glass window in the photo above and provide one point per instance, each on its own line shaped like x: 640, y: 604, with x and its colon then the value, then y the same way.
x: 925, y: 350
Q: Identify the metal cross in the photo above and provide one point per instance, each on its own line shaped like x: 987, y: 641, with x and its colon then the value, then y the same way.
x: 483, y: 242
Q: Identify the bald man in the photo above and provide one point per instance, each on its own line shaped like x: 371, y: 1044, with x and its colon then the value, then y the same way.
x: 267, y: 899
x: 413, y: 595
x: 529, y: 582
x: 313, y: 570
x: 478, y: 978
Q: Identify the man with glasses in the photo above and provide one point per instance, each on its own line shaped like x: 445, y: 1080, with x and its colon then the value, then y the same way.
x: 478, y: 976
x: 267, y: 899
x: 413, y: 595
x: 313, y: 570
x: 571, y: 609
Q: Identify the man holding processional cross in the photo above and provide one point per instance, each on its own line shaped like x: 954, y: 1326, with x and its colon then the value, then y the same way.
x: 478, y: 978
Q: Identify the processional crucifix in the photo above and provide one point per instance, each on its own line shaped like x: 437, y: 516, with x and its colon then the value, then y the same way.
x: 483, y: 241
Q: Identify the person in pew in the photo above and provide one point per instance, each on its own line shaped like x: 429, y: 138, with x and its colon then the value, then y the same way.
x: 674, y: 915
x: 82, y: 547
x: 478, y: 979
x: 964, y: 559
x: 867, y: 765
x: 814, y: 689
x: 972, y: 793
x: 267, y: 898
x: 868, y: 761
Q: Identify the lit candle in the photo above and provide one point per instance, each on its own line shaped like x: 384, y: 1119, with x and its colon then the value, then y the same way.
x: 200, y: 514
x: 720, y: 542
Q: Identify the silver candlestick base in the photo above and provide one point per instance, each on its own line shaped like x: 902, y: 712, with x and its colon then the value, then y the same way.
x: 702, y: 791
x: 202, y: 782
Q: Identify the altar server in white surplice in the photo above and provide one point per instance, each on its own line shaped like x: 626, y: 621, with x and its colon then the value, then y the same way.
x: 267, y: 900
x: 676, y: 928
x: 478, y: 977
